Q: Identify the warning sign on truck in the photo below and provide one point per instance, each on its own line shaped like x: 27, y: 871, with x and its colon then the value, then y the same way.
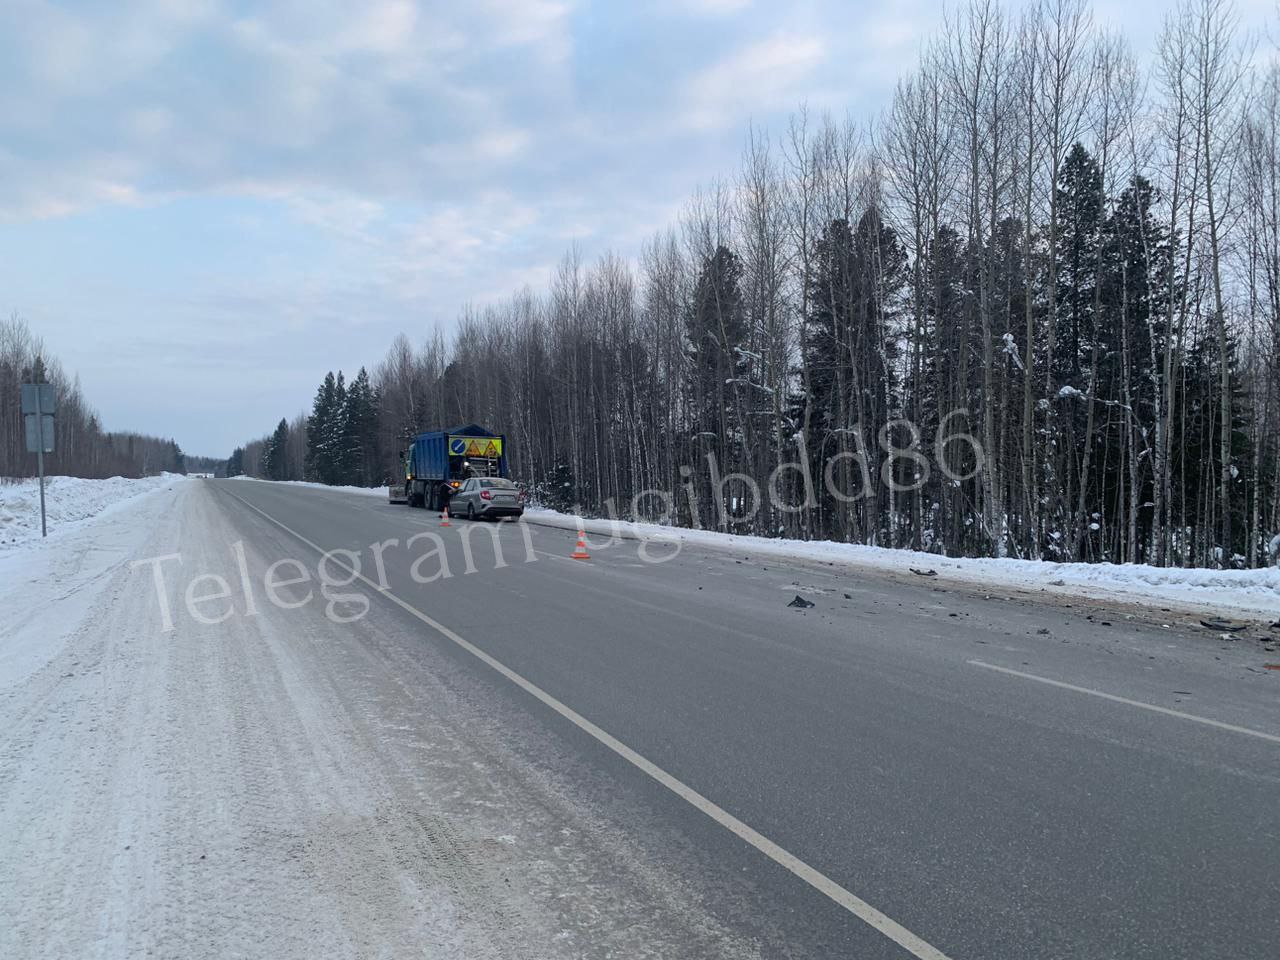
x: 489, y: 447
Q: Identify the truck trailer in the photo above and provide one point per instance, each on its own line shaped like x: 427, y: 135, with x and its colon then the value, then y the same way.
x: 450, y: 456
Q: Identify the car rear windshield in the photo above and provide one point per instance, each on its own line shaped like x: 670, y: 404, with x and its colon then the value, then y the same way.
x: 499, y: 483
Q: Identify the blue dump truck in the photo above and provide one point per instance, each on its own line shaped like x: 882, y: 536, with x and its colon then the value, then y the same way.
x: 450, y: 456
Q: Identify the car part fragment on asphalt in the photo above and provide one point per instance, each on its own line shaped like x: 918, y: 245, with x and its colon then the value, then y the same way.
x: 1222, y: 625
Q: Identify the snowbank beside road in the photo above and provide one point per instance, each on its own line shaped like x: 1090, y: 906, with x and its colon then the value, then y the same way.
x: 365, y: 491
x: 95, y: 528
x: 1239, y: 592
x: 68, y: 501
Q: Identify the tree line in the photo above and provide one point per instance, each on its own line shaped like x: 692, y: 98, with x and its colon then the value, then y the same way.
x: 1032, y: 309
x: 82, y: 448
x: 337, y: 443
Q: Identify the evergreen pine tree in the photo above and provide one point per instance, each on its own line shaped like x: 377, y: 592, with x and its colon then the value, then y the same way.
x: 320, y: 427
x: 857, y: 277
x: 1133, y: 336
x: 339, y: 436
x: 1079, y: 232
x: 275, y: 455
x: 268, y: 452
x: 560, y: 492
x: 1077, y: 350
x: 716, y: 328
x: 360, y: 432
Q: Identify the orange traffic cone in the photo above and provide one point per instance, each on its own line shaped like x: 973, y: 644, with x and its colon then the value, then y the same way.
x: 580, y: 551
x: 444, y: 517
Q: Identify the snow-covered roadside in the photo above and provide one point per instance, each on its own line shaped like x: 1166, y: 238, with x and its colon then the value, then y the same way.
x: 282, y: 784
x: 1245, y: 593
x: 50, y: 584
x: 68, y: 502
x: 365, y: 491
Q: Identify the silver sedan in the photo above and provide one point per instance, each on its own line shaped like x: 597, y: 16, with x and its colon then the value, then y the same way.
x: 481, y: 497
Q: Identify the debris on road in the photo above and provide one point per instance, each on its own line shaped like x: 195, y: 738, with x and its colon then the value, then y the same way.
x: 1222, y: 625
x: 923, y: 573
x: 1210, y: 592
x: 800, y: 602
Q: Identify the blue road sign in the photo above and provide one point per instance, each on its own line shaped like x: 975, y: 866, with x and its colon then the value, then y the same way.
x: 457, y: 446
x: 39, y: 433
x: 38, y: 408
x: 38, y: 398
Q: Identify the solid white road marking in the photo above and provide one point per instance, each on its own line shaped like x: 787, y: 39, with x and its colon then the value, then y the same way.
x: 1125, y: 700
x: 864, y: 911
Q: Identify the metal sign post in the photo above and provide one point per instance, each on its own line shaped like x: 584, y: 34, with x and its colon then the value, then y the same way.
x: 38, y: 408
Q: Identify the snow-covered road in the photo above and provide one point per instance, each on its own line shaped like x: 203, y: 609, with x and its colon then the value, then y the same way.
x: 278, y: 785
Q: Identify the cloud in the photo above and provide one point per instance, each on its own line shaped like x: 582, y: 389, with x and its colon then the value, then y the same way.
x: 888, y: 33
x: 502, y: 144
x: 757, y: 78
x: 448, y: 247
x: 711, y: 8
x: 541, y: 24
x: 385, y: 27
x: 166, y: 97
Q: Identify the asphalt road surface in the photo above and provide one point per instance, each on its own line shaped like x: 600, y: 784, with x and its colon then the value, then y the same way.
x: 906, y: 768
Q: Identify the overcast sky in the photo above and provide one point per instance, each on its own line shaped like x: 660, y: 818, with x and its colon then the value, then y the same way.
x: 206, y: 205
